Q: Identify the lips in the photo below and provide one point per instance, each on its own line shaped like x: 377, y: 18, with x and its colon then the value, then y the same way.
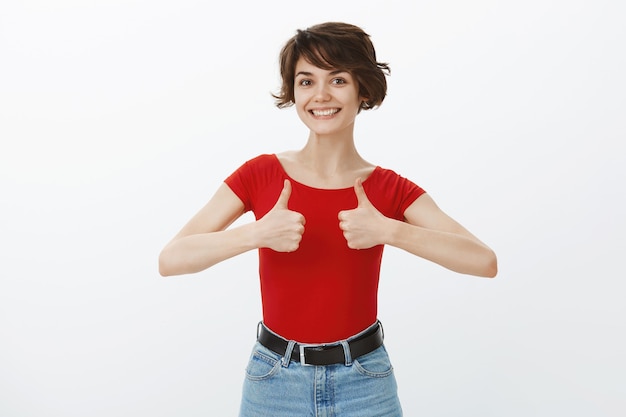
x: 324, y: 112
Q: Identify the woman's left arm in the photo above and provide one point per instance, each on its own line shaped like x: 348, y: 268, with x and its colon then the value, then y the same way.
x: 430, y: 233
x: 426, y: 232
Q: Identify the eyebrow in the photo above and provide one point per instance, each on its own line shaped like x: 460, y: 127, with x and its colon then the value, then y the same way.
x: 309, y: 74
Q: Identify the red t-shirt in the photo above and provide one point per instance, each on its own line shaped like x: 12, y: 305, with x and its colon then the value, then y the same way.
x: 324, y: 291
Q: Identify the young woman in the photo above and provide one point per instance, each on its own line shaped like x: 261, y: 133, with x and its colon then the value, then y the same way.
x: 323, y: 215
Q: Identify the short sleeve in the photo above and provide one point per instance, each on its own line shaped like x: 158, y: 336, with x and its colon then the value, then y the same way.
x: 252, y: 180
x: 238, y: 182
x: 393, y: 193
x: 409, y: 193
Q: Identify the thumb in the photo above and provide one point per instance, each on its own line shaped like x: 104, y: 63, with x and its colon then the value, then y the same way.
x: 283, y: 198
x: 361, y: 197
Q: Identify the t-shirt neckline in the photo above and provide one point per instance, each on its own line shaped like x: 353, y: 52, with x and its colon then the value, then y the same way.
x: 284, y: 171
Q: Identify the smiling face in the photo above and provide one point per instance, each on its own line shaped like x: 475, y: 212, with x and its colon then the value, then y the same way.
x: 327, y: 101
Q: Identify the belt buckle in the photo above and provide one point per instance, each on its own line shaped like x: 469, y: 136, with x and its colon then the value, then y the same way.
x: 301, y: 347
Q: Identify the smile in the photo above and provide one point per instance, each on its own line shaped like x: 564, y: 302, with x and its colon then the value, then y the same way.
x: 325, y: 112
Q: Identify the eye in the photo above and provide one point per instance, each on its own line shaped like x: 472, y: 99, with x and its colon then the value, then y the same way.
x: 304, y: 82
x: 338, y: 81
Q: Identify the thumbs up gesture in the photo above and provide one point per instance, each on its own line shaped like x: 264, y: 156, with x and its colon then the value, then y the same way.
x: 281, y: 229
x: 364, y: 226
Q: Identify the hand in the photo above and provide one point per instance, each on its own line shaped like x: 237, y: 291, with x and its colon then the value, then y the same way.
x: 281, y: 229
x: 363, y: 227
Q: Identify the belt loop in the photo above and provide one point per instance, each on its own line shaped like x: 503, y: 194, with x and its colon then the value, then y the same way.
x: 258, y: 329
x: 287, y: 357
x: 346, y: 352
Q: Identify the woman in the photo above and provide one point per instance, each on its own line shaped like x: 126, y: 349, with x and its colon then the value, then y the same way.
x: 323, y: 215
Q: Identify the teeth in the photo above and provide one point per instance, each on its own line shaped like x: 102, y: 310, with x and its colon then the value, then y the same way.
x: 324, y: 112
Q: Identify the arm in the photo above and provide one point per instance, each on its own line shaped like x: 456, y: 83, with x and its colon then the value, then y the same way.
x: 206, y: 240
x: 431, y: 234
x: 427, y: 232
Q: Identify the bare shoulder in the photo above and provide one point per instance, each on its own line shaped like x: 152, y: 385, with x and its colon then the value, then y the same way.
x: 289, y: 161
x: 365, y: 170
x: 287, y: 156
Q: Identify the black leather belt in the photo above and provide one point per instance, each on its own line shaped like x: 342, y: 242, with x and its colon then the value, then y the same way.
x: 323, y: 354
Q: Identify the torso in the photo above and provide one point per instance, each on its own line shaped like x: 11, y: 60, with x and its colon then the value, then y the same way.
x: 324, y: 291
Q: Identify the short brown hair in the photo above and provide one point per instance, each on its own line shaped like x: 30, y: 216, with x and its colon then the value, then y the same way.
x: 334, y: 45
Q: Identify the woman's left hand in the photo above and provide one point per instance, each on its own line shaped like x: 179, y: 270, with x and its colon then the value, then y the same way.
x: 364, y: 226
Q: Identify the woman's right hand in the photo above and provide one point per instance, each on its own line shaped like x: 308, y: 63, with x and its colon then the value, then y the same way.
x: 281, y: 229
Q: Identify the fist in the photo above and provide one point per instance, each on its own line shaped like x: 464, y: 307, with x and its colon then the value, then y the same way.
x: 281, y: 229
x: 363, y: 226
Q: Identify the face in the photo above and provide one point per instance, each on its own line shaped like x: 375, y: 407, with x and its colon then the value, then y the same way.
x: 327, y: 101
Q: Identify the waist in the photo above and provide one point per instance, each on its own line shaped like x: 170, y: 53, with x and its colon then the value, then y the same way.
x: 327, y: 353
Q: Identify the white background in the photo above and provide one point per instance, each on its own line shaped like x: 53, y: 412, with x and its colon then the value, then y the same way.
x: 118, y: 120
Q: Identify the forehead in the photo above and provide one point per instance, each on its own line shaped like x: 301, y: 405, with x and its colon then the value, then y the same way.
x: 304, y: 67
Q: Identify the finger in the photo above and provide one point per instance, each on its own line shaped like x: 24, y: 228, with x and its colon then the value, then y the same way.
x: 283, y: 198
x: 361, y: 197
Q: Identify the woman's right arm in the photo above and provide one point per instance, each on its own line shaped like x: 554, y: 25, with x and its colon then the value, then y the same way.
x: 206, y: 240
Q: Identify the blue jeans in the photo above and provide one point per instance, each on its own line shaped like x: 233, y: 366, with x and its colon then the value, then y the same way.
x: 277, y: 387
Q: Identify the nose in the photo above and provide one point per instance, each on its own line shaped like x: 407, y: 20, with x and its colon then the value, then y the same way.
x: 322, y: 92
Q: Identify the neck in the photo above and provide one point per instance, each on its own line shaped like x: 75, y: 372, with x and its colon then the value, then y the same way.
x: 330, y: 155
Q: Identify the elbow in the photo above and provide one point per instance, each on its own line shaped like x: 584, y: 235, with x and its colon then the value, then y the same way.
x: 490, y: 266
x: 171, y: 263
x: 166, y: 269
x: 164, y: 272
x: 483, y: 265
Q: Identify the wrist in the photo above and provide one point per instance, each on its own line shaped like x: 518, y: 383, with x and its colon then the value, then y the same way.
x: 389, y: 231
x: 253, y: 234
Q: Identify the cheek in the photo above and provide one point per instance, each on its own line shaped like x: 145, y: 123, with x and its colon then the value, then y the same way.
x: 297, y: 97
x: 299, y: 101
x: 300, y: 110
